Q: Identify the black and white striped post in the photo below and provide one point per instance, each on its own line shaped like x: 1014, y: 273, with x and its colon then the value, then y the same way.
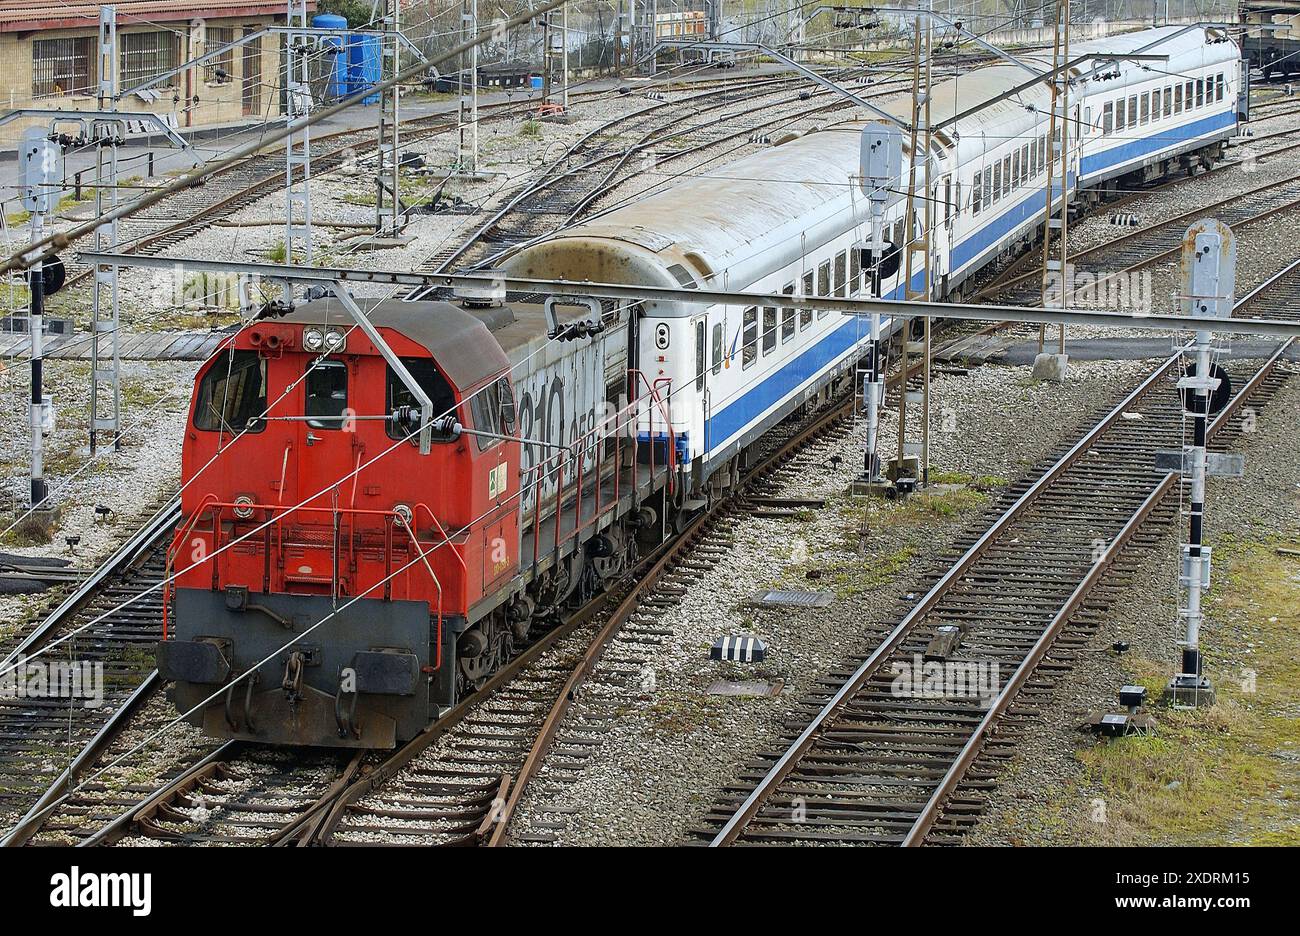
x: 1208, y: 267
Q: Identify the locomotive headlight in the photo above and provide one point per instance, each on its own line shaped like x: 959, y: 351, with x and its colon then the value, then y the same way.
x: 243, y: 508
x: 335, y: 340
x: 313, y: 339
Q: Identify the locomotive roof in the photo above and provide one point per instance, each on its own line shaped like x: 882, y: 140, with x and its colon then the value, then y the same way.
x: 460, y: 340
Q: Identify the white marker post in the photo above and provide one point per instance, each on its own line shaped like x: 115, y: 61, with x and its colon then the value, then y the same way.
x: 881, y: 168
x: 1208, y: 268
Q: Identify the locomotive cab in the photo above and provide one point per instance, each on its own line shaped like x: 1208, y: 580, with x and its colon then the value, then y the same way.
x: 319, y: 548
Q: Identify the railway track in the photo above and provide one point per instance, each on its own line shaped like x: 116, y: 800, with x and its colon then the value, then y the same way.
x: 47, y: 743
x: 865, y: 763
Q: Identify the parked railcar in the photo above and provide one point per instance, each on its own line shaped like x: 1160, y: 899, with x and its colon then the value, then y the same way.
x: 368, y: 585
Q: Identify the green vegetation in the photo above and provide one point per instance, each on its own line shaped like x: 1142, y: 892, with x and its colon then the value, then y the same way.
x: 530, y: 128
x: 1227, y: 773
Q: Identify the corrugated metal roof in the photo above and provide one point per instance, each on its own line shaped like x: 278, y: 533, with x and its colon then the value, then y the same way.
x: 30, y: 17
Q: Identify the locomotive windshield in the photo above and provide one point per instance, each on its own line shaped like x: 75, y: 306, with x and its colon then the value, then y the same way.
x: 232, y: 394
x: 327, y: 395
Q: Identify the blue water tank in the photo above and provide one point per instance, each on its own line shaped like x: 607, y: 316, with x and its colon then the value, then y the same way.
x: 365, y: 64
x: 336, y: 65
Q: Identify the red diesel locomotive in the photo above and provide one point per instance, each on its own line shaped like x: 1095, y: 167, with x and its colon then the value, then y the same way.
x: 335, y: 586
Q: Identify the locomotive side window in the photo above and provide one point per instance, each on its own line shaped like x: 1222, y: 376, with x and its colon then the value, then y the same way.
x: 749, y: 349
x: 327, y: 395
x: 232, y: 394
x: 430, y: 380
x: 717, y: 348
x: 494, y: 411
x: 769, y: 330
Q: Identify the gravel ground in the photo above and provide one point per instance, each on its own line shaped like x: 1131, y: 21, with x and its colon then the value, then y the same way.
x: 1045, y: 797
x: 672, y: 746
x: 134, y: 481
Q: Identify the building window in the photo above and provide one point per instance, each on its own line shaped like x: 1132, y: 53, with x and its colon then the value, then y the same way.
x: 63, y: 66
x: 214, y: 37
x: 145, y: 55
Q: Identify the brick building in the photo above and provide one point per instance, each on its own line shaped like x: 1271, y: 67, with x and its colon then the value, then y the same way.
x: 49, y: 58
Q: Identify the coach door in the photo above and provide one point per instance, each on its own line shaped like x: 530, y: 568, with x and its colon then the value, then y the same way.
x: 700, y: 420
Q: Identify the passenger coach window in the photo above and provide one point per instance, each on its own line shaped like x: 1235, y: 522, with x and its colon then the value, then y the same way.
x: 1006, y: 175
x: 997, y: 183
x: 1120, y: 123
x: 327, y: 394
x: 975, y: 193
x: 232, y: 394
x: 787, y: 325
x: 1218, y: 87
x: 1108, y: 118
x: 855, y: 271
x: 1144, y: 108
x: 769, y: 330
x: 1168, y: 102
x: 429, y: 379
x: 805, y: 315
x: 841, y: 275
x: 1178, y: 99
x: 749, y: 352
x: 700, y: 365
x: 824, y: 278
x: 717, y: 348
x: 1133, y: 110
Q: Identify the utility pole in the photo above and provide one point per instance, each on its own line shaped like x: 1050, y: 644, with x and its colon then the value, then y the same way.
x: 467, y: 160
x: 105, y: 357
x: 618, y: 40
x: 1057, y: 287
x: 388, y: 214
x: 42, y: 181
x: 917, y: 257
x: 297, y: 148
x: 1208, y: 267
x: 564, y: 58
